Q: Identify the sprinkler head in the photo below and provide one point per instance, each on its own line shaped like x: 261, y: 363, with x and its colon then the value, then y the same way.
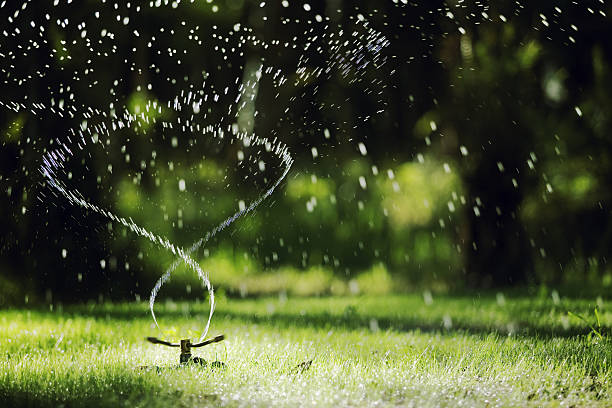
x: 186, y: 347
x: 185, y: 351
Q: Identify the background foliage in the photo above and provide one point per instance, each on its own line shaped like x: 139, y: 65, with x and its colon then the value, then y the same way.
x: 490, y: 166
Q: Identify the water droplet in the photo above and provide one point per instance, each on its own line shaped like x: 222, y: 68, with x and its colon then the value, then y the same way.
x: 362, y: 182
x: 578, y: 111
x: 362, y: 149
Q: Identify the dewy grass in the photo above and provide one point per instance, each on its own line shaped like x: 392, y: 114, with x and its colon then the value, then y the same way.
x: 387, y: 351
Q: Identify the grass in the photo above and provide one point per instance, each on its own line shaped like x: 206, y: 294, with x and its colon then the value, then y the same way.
x: 387, y: 351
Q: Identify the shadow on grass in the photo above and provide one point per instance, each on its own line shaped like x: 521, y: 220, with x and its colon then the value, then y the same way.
x: 125, y: 395
x: 400, y: 324
x: 350, y: 319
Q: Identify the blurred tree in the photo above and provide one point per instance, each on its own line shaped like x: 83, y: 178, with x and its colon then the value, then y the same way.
x: 491, y: 152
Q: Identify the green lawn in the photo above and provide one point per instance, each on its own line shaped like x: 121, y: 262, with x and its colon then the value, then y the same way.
x: 386, y: 351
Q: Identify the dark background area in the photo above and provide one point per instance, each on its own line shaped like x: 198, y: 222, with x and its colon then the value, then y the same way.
x: 489, y: 164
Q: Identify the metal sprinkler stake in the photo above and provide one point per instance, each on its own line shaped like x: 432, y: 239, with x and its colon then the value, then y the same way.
x: 186, y: 347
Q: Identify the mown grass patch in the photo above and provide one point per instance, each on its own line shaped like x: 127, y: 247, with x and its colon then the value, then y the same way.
x: 393, y: 350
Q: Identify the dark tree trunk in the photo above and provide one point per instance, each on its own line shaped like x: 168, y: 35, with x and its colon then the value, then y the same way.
x: 499, y: 253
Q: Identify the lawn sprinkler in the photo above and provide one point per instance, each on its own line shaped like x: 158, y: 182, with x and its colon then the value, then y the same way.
x: 186, y: 345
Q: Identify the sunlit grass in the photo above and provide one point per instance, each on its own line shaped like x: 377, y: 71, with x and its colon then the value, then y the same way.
x: 393, y: 350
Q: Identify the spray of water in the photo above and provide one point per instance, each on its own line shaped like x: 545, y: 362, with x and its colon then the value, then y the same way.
x: 41, y: 40
x: 348, y: 52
